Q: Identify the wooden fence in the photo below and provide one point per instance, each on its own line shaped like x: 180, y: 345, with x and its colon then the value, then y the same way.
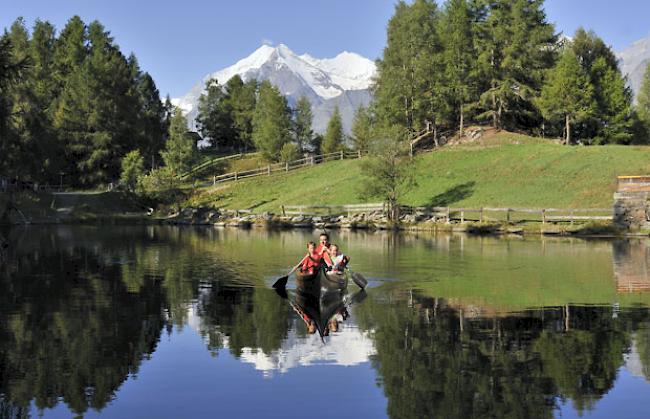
x: 462, y: 215
x: 212, y: 162
x: 268, y: 170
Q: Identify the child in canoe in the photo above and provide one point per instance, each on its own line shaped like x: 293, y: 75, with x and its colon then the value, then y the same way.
x: 312, y: 260
x: 336, y: 261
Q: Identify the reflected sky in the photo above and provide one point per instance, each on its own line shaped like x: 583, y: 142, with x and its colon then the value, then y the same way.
x: 182, y: 322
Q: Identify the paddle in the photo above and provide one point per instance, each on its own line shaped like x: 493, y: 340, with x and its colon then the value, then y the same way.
x: 282, y: 281
x: 358, y: 279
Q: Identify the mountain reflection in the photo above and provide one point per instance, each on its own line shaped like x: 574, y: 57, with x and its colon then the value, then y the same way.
x: 81, y: 310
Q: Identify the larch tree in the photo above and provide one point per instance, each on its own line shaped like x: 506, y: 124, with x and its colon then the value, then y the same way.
x: 271, y: 121
x: 302, y: 125
x: 362, y: 129
x: 567, y: 95
x: 333, y: 140
x: 180, y: 149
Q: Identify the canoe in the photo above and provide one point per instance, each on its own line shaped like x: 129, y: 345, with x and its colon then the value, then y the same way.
x: 326, y: 281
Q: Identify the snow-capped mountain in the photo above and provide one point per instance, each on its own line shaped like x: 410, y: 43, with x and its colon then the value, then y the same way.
x: 634, y: 60
x: 342, y: 81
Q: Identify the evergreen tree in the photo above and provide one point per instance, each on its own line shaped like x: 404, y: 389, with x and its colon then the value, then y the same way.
x: 567, y: 94
x: 215, y: 115
x: 242, y: 97
x: 362, y: 129
x: 459, y: 57
x: 98, y: 110
x: 333, y: 139
x: 407, y: 90
x: 613, y: 119
x: 302, y: 125
x: 180, y: 149
x: 516, y: 49
x: 271, y: 122
x: 151, y: 118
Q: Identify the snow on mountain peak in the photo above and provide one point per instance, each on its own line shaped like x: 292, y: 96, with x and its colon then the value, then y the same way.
x: 340, y: 81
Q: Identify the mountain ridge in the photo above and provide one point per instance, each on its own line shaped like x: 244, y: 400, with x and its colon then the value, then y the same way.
x: 344, y: 81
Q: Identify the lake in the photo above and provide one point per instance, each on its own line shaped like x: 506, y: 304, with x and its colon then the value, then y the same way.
x: 182, y: 322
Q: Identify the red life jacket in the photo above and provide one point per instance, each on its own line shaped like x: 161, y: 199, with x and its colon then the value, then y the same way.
x: 311, y: 263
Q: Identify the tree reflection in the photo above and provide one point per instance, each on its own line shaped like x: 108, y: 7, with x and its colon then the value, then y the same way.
x: 433, y: 362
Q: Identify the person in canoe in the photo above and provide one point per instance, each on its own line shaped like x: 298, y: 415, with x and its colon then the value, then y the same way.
x: 323, y: 243
x: 312, y: 260
x: 336, y: 261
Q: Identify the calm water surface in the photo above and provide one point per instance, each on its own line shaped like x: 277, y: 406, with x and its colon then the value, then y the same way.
x: 137, y: 322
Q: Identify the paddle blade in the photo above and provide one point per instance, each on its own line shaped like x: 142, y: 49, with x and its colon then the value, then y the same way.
x: 281, y: 282
x: 359, y: 280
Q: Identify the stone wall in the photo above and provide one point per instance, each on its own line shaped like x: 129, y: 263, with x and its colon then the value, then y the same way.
x: 632, y: 210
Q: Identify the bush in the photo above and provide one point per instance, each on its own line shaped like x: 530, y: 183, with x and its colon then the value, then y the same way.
x: 160, y: 185
x: 289, y: 153
x: 132, y: 169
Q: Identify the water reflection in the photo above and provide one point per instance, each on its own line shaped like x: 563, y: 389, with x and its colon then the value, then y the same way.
x: 472, y: 327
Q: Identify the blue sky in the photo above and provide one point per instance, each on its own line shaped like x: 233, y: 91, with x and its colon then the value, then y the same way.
x: 179, y: 42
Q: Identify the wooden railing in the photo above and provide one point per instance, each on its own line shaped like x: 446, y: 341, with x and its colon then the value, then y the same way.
x: 269, y: 169
x: 212, y: 162
x: 332, y: 210
x: 462, y: 215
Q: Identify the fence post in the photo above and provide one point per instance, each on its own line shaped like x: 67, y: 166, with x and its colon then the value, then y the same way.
x: 480, y: 215
x: 284, y: 214
x: 311, y: 160
x: 359, y: 153
x: 462, y: 217
x: 448, y: 215
x: 508, y: 215
x: 268, y: 170
x: 341, y: 154
x: 236, y: 175
x: 571, y: 215
x: 543, y: 216
x: 214, y: 180
x: 286, y: 166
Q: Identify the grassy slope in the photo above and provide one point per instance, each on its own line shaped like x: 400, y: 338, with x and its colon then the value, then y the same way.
x: 508, y: 170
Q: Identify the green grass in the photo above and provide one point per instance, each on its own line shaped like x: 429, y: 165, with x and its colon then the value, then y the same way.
x: 507, y: 170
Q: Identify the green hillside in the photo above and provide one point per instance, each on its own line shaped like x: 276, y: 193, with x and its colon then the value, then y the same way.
x: 508, y: 170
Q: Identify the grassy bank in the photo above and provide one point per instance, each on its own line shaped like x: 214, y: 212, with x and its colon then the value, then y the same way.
x: 508, y: 170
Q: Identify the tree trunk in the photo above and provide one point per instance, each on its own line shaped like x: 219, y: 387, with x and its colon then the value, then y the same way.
x: 568, y: 130
x: 435, y: 135
x: 462, y: 122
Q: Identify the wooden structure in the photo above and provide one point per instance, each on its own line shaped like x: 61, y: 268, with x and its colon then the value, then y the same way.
x: 461, y: 215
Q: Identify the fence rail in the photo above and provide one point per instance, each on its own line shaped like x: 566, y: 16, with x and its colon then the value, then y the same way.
x: 462, y: 215
x: 209, y: 163
x: 269, y: 169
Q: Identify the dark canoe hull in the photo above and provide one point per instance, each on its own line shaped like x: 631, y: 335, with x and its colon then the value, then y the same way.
x: 322, y: 281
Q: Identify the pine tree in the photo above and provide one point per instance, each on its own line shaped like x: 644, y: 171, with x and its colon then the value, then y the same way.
x: 517, y: 47
x: 241, y: 97
x: 215, y: 115
x: 333, y: 139
x: 459, y: 55
x: 271, y: 122
x: 97, y: 112
x: 567, y: 95
x: 613, y: 118
x: 407, y: 90
x: 303, y: 132
x: 362, y: 129
x: 180, y: 149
